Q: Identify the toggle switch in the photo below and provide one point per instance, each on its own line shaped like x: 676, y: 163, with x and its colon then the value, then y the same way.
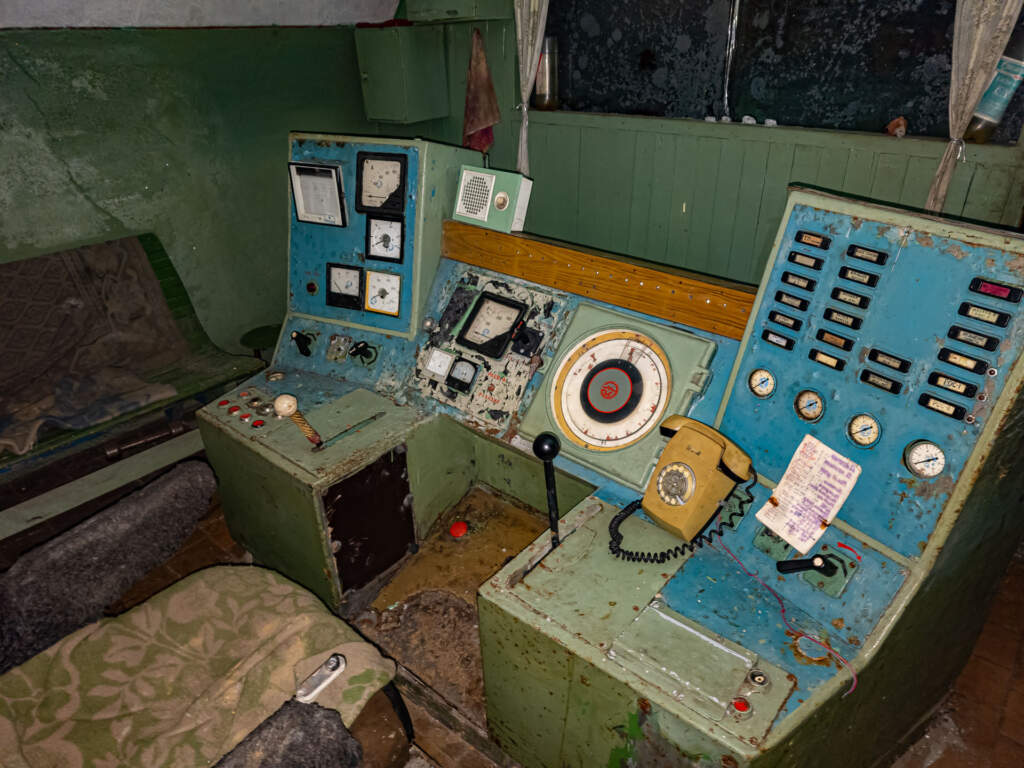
x: 819, y: 563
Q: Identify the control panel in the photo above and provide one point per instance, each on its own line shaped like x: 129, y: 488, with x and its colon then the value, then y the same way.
x: 886, y: 341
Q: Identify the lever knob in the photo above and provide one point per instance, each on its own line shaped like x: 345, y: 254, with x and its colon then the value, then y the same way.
x: 285, y: 405
x: 546, y: 446
x: 818, y: 563
x: 302, y: 341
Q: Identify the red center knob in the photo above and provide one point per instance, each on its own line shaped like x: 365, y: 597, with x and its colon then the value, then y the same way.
x: 234, y: 409
x: 458, y: 529
x: 740, y: 704
x: 258, y: 423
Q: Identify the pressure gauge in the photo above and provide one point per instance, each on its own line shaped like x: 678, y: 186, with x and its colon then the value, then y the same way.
x: 462, y: 375
x: 864, y: 430
x: 382, y: 292
x: 924, y: 458
x: 384, y: 239
x: 809, y: 405
x: 761, y: 382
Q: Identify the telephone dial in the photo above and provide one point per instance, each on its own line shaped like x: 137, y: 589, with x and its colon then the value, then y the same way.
x: 698, y: 472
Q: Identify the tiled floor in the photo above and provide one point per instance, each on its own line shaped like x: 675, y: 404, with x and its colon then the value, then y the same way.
x: 980, y: 725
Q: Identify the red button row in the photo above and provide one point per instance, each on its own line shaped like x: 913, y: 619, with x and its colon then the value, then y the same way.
x: 243, y: 416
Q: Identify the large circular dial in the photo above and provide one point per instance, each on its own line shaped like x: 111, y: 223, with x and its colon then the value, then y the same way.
x: 611, y: 389
x: 924, y: 458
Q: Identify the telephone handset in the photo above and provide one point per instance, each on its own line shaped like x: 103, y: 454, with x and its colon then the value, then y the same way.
x: 698, y: 470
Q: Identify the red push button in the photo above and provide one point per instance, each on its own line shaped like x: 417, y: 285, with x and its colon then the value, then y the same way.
x: 222, y: 403
x: 234, y: 409
x: 258, y: 423
x: 244, y: 394
x: 245, y: 416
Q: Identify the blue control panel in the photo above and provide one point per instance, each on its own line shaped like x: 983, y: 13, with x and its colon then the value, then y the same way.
x: 873, y: 338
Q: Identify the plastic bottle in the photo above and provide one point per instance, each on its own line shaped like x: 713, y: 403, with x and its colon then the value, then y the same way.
x: 992, y: 107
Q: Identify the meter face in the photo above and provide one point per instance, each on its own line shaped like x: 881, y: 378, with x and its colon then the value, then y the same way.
x: 492, y: 320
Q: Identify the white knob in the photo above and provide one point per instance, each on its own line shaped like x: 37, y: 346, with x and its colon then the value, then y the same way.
x: 285, y: 405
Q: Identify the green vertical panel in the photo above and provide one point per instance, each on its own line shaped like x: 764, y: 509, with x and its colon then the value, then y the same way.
x: 1012, y: 211
x: 959, y: 188
x: 681, y: 205
x: 706, y: 175
x: 860, y: 172
x: 640, y: 205
x: 988, y: 193
x: 605, y: 186
x: 773, y: 201
x: 500, y: 45
x: 744, y: 259
x: 918, y: 180
x: 554, y: 165
x: 723, y: 216
x: 806, y: 160
x: 662, y: 187
x: 889, y: 175
x: 832, y: 168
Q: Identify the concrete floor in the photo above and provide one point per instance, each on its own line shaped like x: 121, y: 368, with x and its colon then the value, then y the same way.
x: 979, y: 725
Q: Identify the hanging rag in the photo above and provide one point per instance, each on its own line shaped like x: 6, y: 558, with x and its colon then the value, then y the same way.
x: 481, y: 101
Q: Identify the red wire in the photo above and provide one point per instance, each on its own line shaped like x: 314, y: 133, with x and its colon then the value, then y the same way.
x: 797, y: 632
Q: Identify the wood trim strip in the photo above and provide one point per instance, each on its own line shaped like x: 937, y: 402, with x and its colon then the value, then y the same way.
x: 715, y: 306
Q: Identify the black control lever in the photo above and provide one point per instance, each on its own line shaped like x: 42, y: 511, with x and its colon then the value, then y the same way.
x: 545, y: 448
x: 302, y: 341
x: 819, y: 563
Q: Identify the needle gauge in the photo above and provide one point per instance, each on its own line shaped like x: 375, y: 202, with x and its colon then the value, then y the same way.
x: 864, y: 430
x: 761, y: 382
x: 924, y: 458
x: 809, y: 405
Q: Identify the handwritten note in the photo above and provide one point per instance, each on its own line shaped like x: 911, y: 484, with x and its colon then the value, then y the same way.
x: 815, y: 485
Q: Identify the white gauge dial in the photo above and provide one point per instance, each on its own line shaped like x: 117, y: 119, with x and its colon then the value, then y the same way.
x: 382, y: 292
x: 761, y: 382
x: 924, y: 458
x: 439, y: 363
x: 380, y: 178
x: 809, y: 405
x: 610, y: 389
x: 384, y: 239
x: 464, y: 371
x: 676, y: 483
x: 492, y: 319
x: 864, y: 429
x: 345, y: 281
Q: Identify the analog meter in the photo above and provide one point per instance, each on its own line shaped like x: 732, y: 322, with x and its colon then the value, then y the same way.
x: 384, y: 239
x: 380, y: 182
x: 761, y: 382
x: 924, y: 458
x: 383, y: 291
x: 864, y: 430
x: 809, y: 405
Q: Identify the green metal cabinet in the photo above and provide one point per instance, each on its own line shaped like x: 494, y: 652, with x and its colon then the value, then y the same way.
x: 403, y: 73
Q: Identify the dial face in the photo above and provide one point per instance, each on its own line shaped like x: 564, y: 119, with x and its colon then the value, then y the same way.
x: 491, y: 320
x: 924, y: 458
x: 380, y: 179
x: 610, y: 389
x: 384, y: 239
x: 676, y: 482
x: 463, y: 371
x: 382, y: 292
x: 809, y: 405
x: 761, y: 382
x: 864, y: 430
x: 439, y: 363
x: 345, y: 281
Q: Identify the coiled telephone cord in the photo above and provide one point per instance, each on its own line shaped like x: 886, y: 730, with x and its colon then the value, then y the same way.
x: 705, y: 537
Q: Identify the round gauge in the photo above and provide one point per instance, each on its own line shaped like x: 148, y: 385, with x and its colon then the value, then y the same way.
x: 924, y: 458
x: 676, y: 482
x: 384, y: 239
x: 463, y: 371
x: 809, y: 405
x: 610, y: 389
x: 864, y: 430
x: 761, y: 382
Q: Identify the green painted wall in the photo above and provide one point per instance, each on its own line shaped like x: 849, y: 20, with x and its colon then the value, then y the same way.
x: 183, y: 133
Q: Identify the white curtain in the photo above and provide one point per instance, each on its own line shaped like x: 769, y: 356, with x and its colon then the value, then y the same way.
x: 531, y: 18
x: 980, y: 33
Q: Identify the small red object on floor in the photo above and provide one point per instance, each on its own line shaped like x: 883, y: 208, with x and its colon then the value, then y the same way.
x: 458, y: 529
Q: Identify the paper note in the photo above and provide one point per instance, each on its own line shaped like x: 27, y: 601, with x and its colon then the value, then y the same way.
x: 815, y: 485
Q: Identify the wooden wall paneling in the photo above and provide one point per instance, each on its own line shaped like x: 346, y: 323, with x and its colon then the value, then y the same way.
x: 712, y: 305
x: 860, y: 172
x: 642, y: 194
x: 890, y: 171
x: 989, y: 190
x: 660, y: 212
x: 773, y: 202
x: 917, y: 182
x: 684, y: 186
x: 605, y: 185
x: 555, y: 167
x: 806, y: 159
x: 1013, y: 211
x: 959, y: 188
x: 697, y: 255
x: 723, y: 215
x: 744, y: 258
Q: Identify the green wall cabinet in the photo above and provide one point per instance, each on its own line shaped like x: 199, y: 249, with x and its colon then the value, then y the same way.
x: 403, y: 75
x: 458, y: 10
